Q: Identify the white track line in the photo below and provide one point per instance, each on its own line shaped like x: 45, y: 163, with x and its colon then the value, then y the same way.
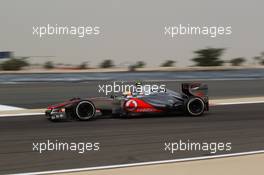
x: 144, y: 163
x: 188, y: 80
x: 238, y: 103
x: 9, y: 108
x: 21, y: 114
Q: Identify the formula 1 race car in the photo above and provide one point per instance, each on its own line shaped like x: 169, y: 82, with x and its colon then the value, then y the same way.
x: 193, y: 101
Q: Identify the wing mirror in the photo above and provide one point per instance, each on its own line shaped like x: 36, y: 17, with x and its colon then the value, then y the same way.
x: 113, y: 96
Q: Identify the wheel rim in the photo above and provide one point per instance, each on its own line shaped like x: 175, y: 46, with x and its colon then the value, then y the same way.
x: 195, y: 106
x: 85, y: 110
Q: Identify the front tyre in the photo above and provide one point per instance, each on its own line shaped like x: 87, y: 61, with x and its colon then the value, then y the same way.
x: 195, y: 106
x: 85, y: 110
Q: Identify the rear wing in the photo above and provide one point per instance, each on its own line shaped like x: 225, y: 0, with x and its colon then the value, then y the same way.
x: 196, y: 89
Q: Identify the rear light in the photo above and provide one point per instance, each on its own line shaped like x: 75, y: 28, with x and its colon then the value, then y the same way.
x: 199, y: 94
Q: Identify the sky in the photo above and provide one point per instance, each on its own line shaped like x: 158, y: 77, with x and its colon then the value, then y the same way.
x: 130, y: 30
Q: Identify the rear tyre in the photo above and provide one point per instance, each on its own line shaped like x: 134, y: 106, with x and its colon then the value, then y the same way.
x: 195, y: 106
x: 85, y: 110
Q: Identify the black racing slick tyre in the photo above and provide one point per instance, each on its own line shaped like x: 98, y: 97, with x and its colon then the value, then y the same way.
x: 85, y: 110
x: 195, y: 106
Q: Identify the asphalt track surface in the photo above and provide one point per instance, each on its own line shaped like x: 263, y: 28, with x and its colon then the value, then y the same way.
x: 123, y: 140
x: 126, y: 140
x: 39, y: 95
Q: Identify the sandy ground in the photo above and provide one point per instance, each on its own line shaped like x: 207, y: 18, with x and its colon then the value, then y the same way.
x: 121, y: 69
x: 241, y: 165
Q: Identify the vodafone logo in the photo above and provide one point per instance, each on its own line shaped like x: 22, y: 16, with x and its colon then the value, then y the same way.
x: 131, y: 105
